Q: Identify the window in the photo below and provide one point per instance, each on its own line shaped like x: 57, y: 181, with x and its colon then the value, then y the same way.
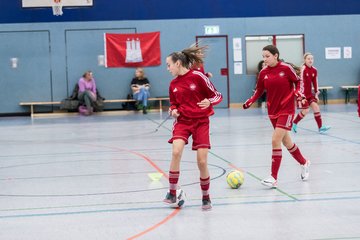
x: 291, y: 49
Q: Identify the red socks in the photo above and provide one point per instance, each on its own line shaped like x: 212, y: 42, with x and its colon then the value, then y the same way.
x: 298, y: 118
x: 276, y: 161
x: 173, y: 180
x: 295, y: 152
x: 205, y: 185
x: 318, y: 120
x: 317, y: 117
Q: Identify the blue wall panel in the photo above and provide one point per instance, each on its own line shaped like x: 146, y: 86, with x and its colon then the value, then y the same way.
x: 52, y: 56
x: 31, y: 80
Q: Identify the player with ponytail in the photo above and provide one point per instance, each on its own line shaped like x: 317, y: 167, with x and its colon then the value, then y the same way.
x: 309, y: 76
x: 282, y: 86
x: 192, y: 97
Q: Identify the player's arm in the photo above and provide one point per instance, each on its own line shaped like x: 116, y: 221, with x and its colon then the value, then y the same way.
x: 173, y: 109
x: 315, y: 85
x: 259, y: 90
x: 214, y: 96
x: 299, y: 83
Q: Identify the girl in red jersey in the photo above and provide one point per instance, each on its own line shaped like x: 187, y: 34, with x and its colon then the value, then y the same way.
x: 309, y: 77
x: 278, y: 79
x: 192, y: 97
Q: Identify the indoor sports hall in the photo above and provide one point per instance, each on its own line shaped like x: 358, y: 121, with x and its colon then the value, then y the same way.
x: 103, y: 175
x: 59, y: 183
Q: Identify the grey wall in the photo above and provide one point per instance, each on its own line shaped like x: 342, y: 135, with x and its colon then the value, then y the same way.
x: 53, y: 56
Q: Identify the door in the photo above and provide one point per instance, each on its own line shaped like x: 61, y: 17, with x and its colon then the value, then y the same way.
x: 30, y: 79
x: 216, y: 62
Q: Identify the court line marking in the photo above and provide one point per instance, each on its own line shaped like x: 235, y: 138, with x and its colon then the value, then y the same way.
x: 187, y: 206
x: 217, y: 167
x: 170, y: 216
x: 337, y: 238
x: 197, y: 205
x: 252, y: 175
x: 193, y: 199
x: 153, y: 164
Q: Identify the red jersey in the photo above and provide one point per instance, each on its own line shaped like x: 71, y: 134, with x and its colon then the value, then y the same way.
x: 309, y: 77
x: 187, y: 90
x: 279, y: 82
x: 199, y: 67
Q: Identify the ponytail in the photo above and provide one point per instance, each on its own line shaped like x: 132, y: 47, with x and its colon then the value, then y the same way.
x: 296, y: 68
x: 189, y: 56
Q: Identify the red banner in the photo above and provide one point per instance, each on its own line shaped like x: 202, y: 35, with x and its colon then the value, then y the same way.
x: 132, y: 50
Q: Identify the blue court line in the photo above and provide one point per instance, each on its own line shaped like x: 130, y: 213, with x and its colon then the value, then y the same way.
x: 165, y: 207
x: 330, y: 136
x: 337, y: 238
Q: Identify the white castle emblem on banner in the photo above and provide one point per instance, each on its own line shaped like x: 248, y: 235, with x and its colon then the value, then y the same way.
x: 133, y: 51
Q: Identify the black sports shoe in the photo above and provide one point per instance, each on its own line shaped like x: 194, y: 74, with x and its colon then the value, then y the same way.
x: 169, y: 199
x: 206, y: 205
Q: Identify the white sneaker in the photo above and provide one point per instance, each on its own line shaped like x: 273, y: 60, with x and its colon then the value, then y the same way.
x: 305, y: 171
x: 269, y: 182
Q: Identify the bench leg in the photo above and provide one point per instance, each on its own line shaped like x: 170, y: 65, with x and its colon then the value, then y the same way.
x: 324, y: 93
x: 160, y: 105
x: 347, y: 96
x: 32, y: 111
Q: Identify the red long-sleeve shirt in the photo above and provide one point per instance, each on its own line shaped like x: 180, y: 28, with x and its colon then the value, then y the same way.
x: 187, y: 90
x: 279, y: 82
x: 199, y: 67
x: 309, y: 76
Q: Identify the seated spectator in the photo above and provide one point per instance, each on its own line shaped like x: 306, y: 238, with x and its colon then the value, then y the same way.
x: 87, y: 93
x: 140, y: 88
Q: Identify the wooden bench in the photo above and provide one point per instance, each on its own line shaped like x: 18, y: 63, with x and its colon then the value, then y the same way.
x: 33, y: 104
x: 347, y: 90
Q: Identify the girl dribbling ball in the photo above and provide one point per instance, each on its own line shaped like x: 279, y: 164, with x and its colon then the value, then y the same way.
x: 192, y: 97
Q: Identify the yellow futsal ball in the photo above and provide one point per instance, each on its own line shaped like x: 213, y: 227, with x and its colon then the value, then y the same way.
x: 235, y: 179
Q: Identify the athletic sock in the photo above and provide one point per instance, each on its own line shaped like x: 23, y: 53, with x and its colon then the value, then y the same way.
x: 295, y: 152
x: 205, y: 185
x: 276, y: 161
x: 173, y: 181
x: 298, y: 117
x: 318, y: 120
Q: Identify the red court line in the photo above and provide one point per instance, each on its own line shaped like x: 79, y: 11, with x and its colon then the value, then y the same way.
x: 176, y: 211
x: 171, y: 215
x: 135, y: 153
x: 235, y: 167
x: 149, y: 161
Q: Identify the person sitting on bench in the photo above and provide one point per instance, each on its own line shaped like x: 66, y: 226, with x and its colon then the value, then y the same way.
x: 87, y: 93
x: 140, y: 88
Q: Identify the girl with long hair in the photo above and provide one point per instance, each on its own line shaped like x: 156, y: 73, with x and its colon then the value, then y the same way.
x: 192, y: 97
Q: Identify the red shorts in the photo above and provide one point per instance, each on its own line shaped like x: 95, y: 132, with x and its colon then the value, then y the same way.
x: 283, y: 121
x: 197, y: 127
x: 306, y: 105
